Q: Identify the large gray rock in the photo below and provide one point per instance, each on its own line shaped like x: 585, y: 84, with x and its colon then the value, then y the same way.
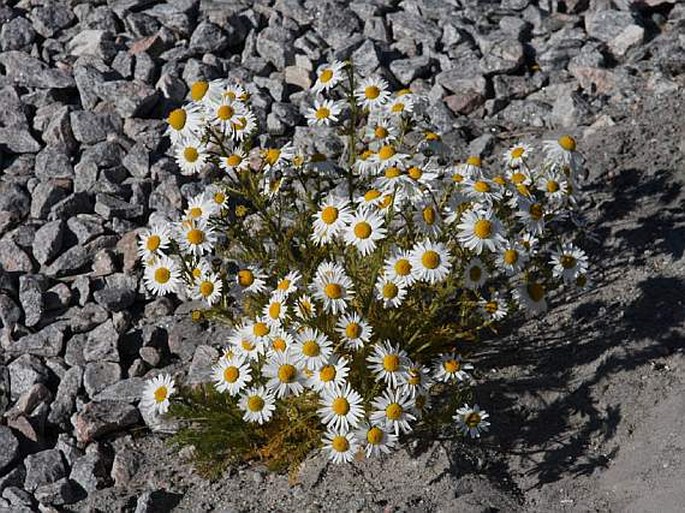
x: 208, y: 38
x: 98, y: 419
x: 23, y: 70
x: 48, y: 342
x: 65, y: 399
x: 100, y: 375
x: 10, y: 448
x: 92, y: 127
x: 607, y: 24
x: 91, y: 471
x: 128, y: 390
x: 109, y: 207
x: 130, y: 98
x: 47, y: 242
x: 16, y: 34
x: 24, y: 372
x: 53, y: 162
x: 59, y: 493
x: 102, y: 343
x: 43, y: 468
x: 31, y: 287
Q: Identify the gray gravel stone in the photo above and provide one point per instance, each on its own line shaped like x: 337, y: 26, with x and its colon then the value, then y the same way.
x: 406, y: 70
x: 24, y: 70
x: 92, y: 127
x: 51, y: 17
x: 607, y: 24
x: 46, y: 195
x: 137, y: 161
x: 158, y: 500
x: 31, y: 289
x: 115, y: 299
x: 47, y: 242
x: 59, y: 493
x: 208, y: 38
x: 86, y: 78
x: 47, y: 342
x: 93, y: 42
x: 24, y: 372
x: 64, y: 403
x: 127, y: 390
x: 13, y: 258
x: 275, y: 45
x: 629, y: 38
x: 16, y: 34
x: 70, y: 262
x: 98, y: 419
x: 53, y: 162
x: 86, y: 227
x: 102, y: 343
x: 10, y: 448
x: 100, y: 375
x: 10, y: 313
x: 92, y: 470
x: 43, y: 468
x: 130, y: 99
x: 109, y: 206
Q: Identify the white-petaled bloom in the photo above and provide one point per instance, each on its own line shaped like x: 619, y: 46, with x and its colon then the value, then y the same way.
x: 553, y: 184
x: 323, y: 113
x: 258, y: 404
x: 430, y: 261
x: 398, y: 267
x: 260, y: 330
x: 162, y: 276
x: 153, y: 241
x: 472, y: 421
x: 235, y: 162
x: 191, y: 156
x: 330, y: 220
x: 184, y: 123
x: 568, y: 262
x: 196, y: 237
x: 250, y: 280
x: 365, y: 230
x: 206, y: 92
x: 475, y: 274
x: 530, y: 243
x: 400, y: 104
x: 482, y: 190
x: 288, y: 284
x: 417, y: 380
x: 532, y: 214
x: 156, y: 394
x: 354, y: 331
x: 342, y: 408
x: 217, y: 195
x: 332, y: 375
x: 371, y: 198
x: 245, y: 344
x: 304, y: 306
x: 427, y: 218
x: 313, y: 347
x: 511, y: 258
x: 388, y: 363
x: 234, y: 92
x: 244, y: 126
x: 480, y: 229
x: 494, y: 308
x: 285, y: 374
x: 392, y: 180
x: 563, y: 152
x: 276, y: 158
x: 450, y: 367
x: 208, y: 288
x: 231, y: 374
x: 340, y: 445
x: 279, y: 341
x: 393, y: 411
x: 201, y: 268
x: 388, y: 156
x: 375, y: 439
x: 328, y: 76
x: 381, y: 128
x: 517, y: 155
x: 390, y: 292
x: 200, y: 209
x: 422, y: 403
x: 372, y: 93
x: 224, y: 113
x: 520, y: 178
x: 332, y: 287
x: 531, y: 297
x: 365, y: 165
x: 276, y: 310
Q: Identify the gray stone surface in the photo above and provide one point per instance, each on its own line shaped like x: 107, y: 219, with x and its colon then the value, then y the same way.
x: 43, y: 468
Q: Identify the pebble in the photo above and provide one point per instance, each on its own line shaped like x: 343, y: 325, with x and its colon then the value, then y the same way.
x: 10, y: 448
x: 43, y: 468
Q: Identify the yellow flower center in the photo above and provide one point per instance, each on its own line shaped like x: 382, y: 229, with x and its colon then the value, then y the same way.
x: 233, y: 160
x: 372, y: 92
x: 481, y: 186
x: 457, y: 178
x: 362, y: 230
x: 322, y: 113
x: 195, y: 212
x: 535, y: 211
x: 162, y: 275
x: 552, y: 186
x: 415, y: 173
x: 517, y: 178
x: 245, y: 278
x: 429, y: 215
x: 326, y: 76
x: 161, y: 394
x: 568, y: 261
x: 451, y: 366
x: 206, y: 288
x: 329, y: 215
x: 272, y: 156
x: 275, y: 310
x: 499, y: 180
x: 190, y: 154
x: 567, y: 142
x: 491, y: 307
x: 279, y: 344
x: 195, y: 236
x: 517, y: 152
x: 255, y: 403
x: 198, y: 90
x: 380, y: 132
x: 247, y: 344
x: 284, y: 284
x: 225, y: 112
x: 260, y: 329
x: 391, y: 362
x: 390, y: 290
x: 393, y: 172
x: 287, y: 373
x: 353, y: 330
x: 510, y: 257
x: 197, y: 272
x: 340, y: 406
x: 472, y: 420
x: 432, y: 136
x: 386, y: 201
x: 482, y: 228
x: 403, y: 267
x: 374, y: 436
x: 474, y: 161
x: 536, y: 291
x: 177, y: 119
x: 231, y: 374
x: 430, y: 259
x: 393, y: 411
x: 372, y: 194
x: 340, y: 443
x: 241, y: 211
x: 414, y: 377
x: 386, y: 152
x: 397, y: 107
x: 327, y: 373
x: 219, y: 198
x: 153, y: 242
x: 333, y: 290
x: 311, y: 348
x: 475, y: 273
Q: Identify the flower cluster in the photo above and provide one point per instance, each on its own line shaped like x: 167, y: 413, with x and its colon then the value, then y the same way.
x: 358, y: 280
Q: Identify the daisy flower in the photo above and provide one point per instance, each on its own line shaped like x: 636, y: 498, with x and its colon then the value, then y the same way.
x: 568, y: 262
x: 258, y: 404
x: 206, y: 92
x: 200, y: 208
x: 231, y: 374
x: 382, y: 129
x: 259, y: 330
x: 285, y: 374
x: 162, y: 276
x: 154, y: 241
x: 196, y: 237
x: 424, y: 174
x: 401, y: 104
x: 482, y: 190
x: 554, y: 185
x: 387, y: 156
x: 532, y: 214
x: 388, y: 363
x: 244, y: 126
x: 218, y: 196
x: 330, y: 220
x: 288, y: 284
x: 341, y: 409
x: 279, y: 340
x: 354, y: 331
x: 190, y: 156
x: 475, y: 274
x: 398, y: 268
x: 332, y: 287
x: 330, y: 376
x: 371, y: 198
x: 563, y: 152
x: 305, y: 307
x: 313, y: 347
x: 276, y: 158
x: 235, y: 162
x: 372, y: 93
x: 493, y: 309
x: 328, y: 76
x: 517, y: 155
x: 390, y: 292
x: 417, y: 380
x: 480, y: 229
x: 392, y: 180
x: 375, y: 440
x: 224, y: 113
x: 184, y: 123
x: 531, y: 297
x: 276, y: 310
x: 208, y: 287
x: 340, y: 445
x: 323, y: 113
x: 250, y: 280
x: 392, y: 410
x: 511, y: 258
x: 245, y: 344
x: 427, y: 218
x: 234, y: 92
x: 365, y: 164
x: 472, y: 421
x: 521, y: 178
x: 451, y: 367
x: 156, y: 394
x: 430, y: 261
